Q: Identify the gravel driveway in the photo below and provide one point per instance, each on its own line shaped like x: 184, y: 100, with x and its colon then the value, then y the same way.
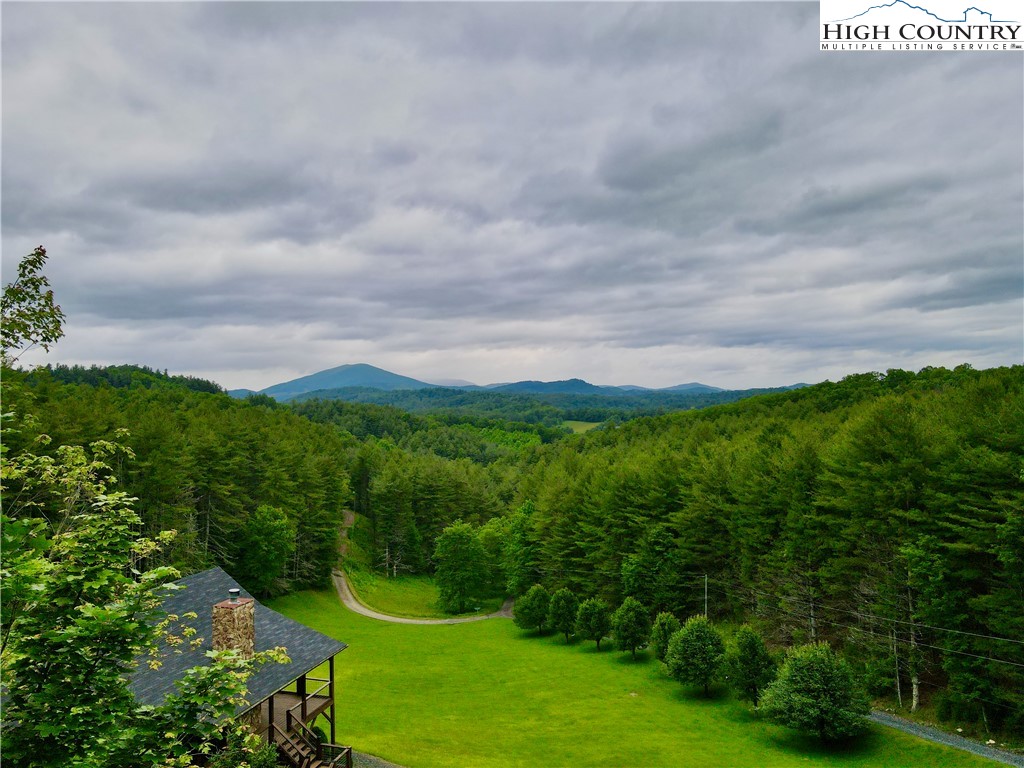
x: 949, y: 739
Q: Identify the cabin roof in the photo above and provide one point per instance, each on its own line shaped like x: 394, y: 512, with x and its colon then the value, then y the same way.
x: 306, y: 648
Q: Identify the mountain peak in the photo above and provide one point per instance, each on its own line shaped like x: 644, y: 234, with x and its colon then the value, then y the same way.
x: 350, y: 375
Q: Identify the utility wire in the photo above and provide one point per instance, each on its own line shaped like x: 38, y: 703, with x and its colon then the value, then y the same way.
x: 736, y: 585
x: 888, y: 639
x: 861, y: 614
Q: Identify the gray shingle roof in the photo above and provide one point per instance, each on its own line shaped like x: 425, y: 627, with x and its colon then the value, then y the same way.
x: 306, y: 647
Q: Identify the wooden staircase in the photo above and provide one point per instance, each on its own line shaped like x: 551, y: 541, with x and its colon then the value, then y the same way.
x: 302, y: 749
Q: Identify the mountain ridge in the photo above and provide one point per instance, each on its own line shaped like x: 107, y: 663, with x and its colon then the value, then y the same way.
x: 364, y: 375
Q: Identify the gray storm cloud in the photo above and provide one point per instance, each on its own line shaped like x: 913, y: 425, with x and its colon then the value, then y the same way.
x: 649, y: 193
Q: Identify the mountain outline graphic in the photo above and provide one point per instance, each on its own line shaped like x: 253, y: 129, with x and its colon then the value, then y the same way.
x: 933, y: 15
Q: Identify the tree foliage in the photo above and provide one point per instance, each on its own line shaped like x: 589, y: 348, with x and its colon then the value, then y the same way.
x: 29, y: 316
x: 531, y: 610
x: 81, y: 608
x: 81, y: 612
x: 815, y: 693
x: 517, y: 551
x: 201, y: 464
x: 593, y: 620
x: 885, y: 501
x: 562, y: 611
x: 458, y: 558
x: 665, y: 625
x: 695, y: 653
x: 749, y: 665
x: 631, y: 624
x: 267, y: 544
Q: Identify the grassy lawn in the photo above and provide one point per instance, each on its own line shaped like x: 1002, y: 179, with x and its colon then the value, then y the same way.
x: 487, y: 694
x: 580, y: 426
x: 411, y: 596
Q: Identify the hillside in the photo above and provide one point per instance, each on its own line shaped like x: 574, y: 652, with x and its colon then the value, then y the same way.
x: 357, y: 375
x: 363, y: 376
x: 548, y: 408
x: 881, y: 513
x: 567, y: 387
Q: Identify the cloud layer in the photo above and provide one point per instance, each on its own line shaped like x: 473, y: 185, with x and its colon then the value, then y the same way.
x: 644, y: 194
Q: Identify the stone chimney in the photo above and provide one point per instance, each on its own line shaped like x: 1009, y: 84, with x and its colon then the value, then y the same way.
x: 234, y: 624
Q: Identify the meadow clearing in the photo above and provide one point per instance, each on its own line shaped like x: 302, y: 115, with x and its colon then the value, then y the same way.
x: 489, y: 694
x: 412, y: 597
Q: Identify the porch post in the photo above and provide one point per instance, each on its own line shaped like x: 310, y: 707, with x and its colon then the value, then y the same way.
x: 300, y: 688
x: 270, y: 715
x: 330, y: 689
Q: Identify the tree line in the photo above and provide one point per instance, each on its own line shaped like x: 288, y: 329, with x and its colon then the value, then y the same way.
x: 810, y: 688
x: 548, y: 409
x: 883, y: 514
x: 259, y: 491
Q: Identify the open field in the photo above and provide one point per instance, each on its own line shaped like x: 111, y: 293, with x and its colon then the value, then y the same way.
x: 581, y: 426
x: 487, y: 694
x: 413, y: 597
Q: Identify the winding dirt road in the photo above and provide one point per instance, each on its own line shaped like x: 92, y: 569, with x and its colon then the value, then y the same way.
x: 353, y: 604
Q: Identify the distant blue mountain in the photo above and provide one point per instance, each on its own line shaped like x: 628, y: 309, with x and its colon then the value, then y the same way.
x: 455, y: 384
x: 357, y: 375
x: 693, y: 386
x: 371, y: 377
x: 569, y: 387
x: 581, y: 387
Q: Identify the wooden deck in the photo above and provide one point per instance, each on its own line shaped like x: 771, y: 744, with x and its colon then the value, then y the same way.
x: 284, y: 702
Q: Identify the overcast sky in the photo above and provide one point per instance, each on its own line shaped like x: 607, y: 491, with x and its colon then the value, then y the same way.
x: 631, y: 194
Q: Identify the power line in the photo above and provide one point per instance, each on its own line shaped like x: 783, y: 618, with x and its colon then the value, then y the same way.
x: 888, y: 639
x: 736, y: 585
x: 861, y: 614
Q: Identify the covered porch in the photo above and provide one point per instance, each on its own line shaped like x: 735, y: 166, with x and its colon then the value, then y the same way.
x: 286, y: 718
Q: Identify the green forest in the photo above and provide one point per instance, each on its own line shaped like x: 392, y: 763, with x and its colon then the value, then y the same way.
x: 883, y: 513
x: 548, y: 409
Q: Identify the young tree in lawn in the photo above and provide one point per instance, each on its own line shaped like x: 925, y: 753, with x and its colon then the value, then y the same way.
x: 749, y: 665
x: 593, y: 620
x: 458, y: 558
x: 562, y: 611
x: 531, y: 610
x: 631, y: 625
x: 665, y: 625
x: 695, y: 653
x: 815, y: 693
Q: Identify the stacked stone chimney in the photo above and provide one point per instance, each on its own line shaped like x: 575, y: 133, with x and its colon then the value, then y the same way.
x: 234, y: 624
